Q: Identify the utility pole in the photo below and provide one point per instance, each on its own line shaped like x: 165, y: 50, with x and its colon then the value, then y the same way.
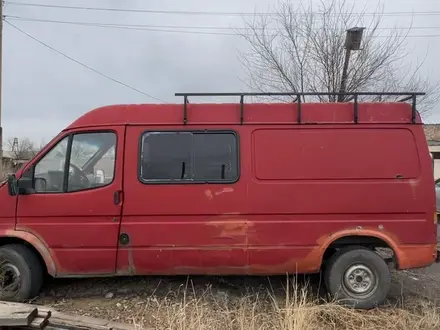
x: 1, y: 73
x: 352, y: 42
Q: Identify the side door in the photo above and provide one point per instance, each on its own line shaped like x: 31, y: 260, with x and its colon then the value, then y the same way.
x: 75, y: 202
x: 184, y: 203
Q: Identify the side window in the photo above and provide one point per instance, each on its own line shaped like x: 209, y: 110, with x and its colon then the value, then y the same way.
x: 215, y: 157
x: 104, y: 169
x: 49, y: 171
x: 166, y: 156
x: 87, y: 150
x: 189, y: 157
x: 91, y: 158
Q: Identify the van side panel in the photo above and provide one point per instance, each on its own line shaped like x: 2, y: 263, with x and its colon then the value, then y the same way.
x: 334, y: 154
x: 181, y: 228
x: 299, y: 188
x: 311, y: 182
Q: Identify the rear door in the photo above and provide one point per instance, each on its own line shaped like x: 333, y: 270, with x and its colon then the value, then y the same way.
x: 76, y: 205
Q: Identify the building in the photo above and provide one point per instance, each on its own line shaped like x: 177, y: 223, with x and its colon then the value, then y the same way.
x: 432, y: 133
x: 12, y: 161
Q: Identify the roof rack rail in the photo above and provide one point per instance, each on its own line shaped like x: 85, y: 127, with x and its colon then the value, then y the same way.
x: 406, y: 96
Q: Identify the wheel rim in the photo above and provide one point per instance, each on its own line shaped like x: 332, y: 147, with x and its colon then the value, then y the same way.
x: 360, y: 281
x: 10, y: 279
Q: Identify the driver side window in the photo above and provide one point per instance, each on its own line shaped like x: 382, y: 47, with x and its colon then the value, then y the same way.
x: 49, y: 171
x: 91, y: 164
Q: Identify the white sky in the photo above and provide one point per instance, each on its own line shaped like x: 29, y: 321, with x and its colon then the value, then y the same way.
x: 43, y: 91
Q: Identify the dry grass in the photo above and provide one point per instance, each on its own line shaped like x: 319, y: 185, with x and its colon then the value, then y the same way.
x: 297, y: 310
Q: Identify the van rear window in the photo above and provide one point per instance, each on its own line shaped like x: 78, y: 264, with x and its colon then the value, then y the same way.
x: 185, y: 157
x: 335, y: 154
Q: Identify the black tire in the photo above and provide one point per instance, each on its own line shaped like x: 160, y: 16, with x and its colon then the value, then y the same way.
x: 19, y: 258
x: 357, y: 269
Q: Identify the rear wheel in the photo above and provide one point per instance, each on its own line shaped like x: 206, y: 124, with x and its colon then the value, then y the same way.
x: 358, y: 277
x: 21, y: 273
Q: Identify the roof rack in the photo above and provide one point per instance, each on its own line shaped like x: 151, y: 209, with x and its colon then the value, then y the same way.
x: 406, y: 96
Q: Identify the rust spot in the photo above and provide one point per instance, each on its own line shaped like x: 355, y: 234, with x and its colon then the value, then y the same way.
x: 224, y: 190
x: 131, y: 265
x: 209, y: 194
x: 230, y: 228
x: 325, y: 240
x: 126, y: 265
x: 218, y: 270
x: 309, y: 264
x: 413, y: 184
x: 416, y: 256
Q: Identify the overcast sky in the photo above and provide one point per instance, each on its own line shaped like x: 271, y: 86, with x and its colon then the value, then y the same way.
x: 43, y: 91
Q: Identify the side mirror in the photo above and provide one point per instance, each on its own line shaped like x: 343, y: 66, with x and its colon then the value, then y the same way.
x: 25, y: 186
x: 22, y: 186
x: 12, y: 185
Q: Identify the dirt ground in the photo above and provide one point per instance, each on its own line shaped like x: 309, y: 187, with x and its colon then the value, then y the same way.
x: 118, y: 299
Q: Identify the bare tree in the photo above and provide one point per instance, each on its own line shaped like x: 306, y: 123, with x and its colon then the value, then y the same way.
x: 301, y: 49
x: 22, y: 150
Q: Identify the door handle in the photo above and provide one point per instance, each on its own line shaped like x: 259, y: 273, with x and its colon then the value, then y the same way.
x: 117, y: 197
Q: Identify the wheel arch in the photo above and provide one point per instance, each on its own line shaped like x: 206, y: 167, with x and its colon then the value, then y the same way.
x: 32, y: 242
x: 365, y: 238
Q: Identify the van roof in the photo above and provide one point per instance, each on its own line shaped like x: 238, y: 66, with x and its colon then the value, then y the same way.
x: 251, y: 113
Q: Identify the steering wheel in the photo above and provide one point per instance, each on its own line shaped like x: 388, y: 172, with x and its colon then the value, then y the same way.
x: 79, y: 177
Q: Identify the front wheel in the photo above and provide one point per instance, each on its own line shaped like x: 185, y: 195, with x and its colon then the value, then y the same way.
x: 358, y: 277
x: 21, y: 273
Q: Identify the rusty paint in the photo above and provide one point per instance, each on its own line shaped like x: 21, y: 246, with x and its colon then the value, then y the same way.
x: 131, y: 265
x: 309, y: 264
x: 230, y: 228
x: 124, y: 271
x: 224, y: 190
x: 218, y: 270
x: 413, y: 184
x: 209, y: 194
x: 411, y: 256
x: 37, y: 242
x: 389, y: 238
x: 407, y: 256
x: 416, y: 256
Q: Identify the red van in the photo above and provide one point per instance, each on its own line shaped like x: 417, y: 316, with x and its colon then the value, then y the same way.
x: 252, y: 189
